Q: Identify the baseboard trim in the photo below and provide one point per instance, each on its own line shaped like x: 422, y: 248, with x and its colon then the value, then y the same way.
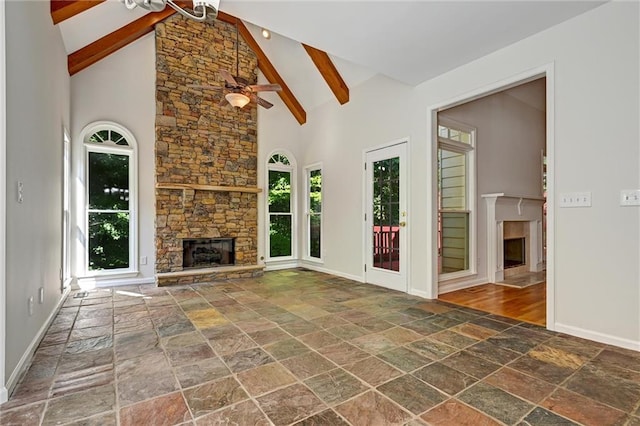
x: 448, y: 287
x: 315, y: 267
x: 278, y: 266
x: 89, y: 283
x: 25, y: 360
x: 598, y: 337
x: 419, y: 293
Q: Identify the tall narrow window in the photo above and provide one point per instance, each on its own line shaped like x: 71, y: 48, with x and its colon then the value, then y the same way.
x: 66, y: 210
x: 314, y: 212
x: 281, y: 204
x: 456, y: 195
x: 110, y: 199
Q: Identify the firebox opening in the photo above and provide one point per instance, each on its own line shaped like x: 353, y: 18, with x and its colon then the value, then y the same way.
x: 514, y: 252
x: 208, y: 252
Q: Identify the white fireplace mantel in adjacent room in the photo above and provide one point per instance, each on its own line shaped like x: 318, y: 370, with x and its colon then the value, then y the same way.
x: 503, y: 207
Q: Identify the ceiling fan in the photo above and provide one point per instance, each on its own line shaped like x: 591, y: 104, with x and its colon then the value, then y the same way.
x: 239, y: 91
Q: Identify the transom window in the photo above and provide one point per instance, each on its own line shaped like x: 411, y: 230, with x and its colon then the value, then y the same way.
x: 279, y: 159
x: 110, y: 222
x: 108, y: 137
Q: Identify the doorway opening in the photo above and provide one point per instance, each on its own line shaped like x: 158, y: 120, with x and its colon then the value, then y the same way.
x: 508, y: 274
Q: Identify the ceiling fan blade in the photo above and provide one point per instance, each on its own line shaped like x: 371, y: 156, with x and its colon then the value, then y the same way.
x: 263, y: 103
x: 228, y: 78
x: 223, y: 102
x: 265, y: 87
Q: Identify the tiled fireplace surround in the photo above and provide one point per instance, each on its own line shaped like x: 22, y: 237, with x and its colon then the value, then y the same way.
x: 206, y: 155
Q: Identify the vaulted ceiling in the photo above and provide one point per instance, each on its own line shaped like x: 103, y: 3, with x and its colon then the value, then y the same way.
x: 319, y: 49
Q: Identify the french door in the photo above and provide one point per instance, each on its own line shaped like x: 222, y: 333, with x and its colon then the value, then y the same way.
x: 386, y: 217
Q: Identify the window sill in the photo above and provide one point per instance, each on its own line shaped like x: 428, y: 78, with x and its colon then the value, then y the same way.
x: 313, y: 260
x: 99, y: 275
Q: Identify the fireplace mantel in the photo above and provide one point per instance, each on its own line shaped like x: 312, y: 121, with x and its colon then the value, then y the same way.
x: 503, y: 207
x: 214, y: 188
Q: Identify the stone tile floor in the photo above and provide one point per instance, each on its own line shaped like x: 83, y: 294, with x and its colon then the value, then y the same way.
x: 300, y: 347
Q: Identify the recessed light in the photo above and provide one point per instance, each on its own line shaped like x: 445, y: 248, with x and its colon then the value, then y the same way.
x: 266, y: 33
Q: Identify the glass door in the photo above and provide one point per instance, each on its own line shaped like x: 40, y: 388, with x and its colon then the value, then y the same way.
x: 386, y: 217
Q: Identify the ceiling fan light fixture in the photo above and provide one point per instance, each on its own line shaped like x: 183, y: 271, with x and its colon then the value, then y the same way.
x: 237, y: 100
x: 203, y: 9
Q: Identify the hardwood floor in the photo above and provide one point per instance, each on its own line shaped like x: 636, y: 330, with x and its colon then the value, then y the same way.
x: 527, y: 304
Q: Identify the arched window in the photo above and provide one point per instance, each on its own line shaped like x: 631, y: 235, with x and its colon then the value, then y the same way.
x: 281, y: 206
x: 111, y: 199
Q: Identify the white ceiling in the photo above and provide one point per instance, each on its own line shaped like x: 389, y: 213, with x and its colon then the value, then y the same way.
x: 410, y: 41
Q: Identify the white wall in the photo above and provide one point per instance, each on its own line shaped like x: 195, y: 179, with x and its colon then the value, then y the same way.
x: 121, y: 89
x: 278, y: 130
x: 510, y: 137
x: 596, y: 57
x: 336, y: 136
x: 36, y: 113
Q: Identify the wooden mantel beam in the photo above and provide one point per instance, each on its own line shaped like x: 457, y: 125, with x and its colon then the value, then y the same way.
x: 329, y: 72
x: 65, y: 9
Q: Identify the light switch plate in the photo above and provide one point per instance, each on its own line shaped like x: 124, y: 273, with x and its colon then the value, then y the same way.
x: 630, y: 197
x: 20, y: 192
x: 575, y: 199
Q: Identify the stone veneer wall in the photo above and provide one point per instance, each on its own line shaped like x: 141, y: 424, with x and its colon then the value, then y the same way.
x: 199, y: 142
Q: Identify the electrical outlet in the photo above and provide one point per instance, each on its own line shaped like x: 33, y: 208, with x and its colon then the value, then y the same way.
x: 575, y: 199
x: 630, y: 197
x: 143, y: 260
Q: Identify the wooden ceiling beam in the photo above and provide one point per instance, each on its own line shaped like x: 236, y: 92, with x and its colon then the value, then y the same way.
x: 267, y: 68
x: 65, y: 9
x: 329, y: 72
x: 99, y: 49
x: 103, y: 47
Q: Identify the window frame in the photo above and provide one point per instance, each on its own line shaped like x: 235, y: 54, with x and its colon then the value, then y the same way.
x: 307, y: 212
x: 292, y: 169
x: 131, y: 151
x: 65, y: 275
x: 469, y: 150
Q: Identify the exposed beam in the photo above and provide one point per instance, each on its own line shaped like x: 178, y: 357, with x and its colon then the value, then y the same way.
x: 329, y: 73
x: 103, y: 47
x: 99, y: 49
x: 268, y: 69
x: 65, y: 9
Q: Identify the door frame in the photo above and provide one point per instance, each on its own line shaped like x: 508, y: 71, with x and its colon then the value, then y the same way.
x: 406, y: 141
x: 3, y: 204
x: 547, y: 71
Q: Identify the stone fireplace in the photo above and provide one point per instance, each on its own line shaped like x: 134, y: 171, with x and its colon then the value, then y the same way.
x: 206, y: 157
x: 514, y: 235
